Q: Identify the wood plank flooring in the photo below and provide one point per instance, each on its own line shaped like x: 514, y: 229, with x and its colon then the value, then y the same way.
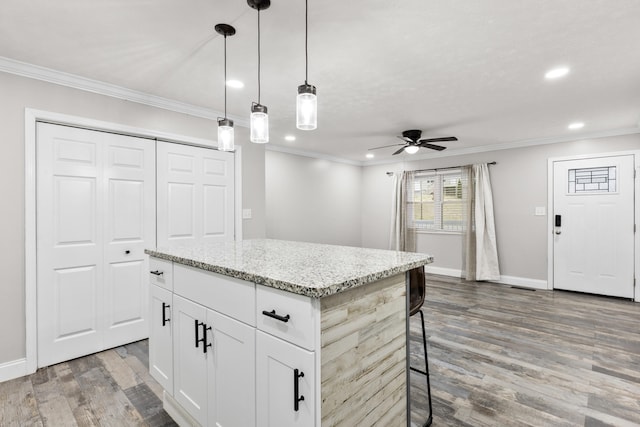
x: 498, y: 356
x: 502, y: 356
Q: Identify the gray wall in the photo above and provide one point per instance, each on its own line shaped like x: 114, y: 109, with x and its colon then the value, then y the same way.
x: 19, y: 93
x: 519, y: 183
x: 312, y: 200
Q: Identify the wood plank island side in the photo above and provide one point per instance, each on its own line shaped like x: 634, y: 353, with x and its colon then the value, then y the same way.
x: 363, y: 370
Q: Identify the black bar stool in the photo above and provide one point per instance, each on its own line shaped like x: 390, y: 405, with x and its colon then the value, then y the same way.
x: 416, y: 300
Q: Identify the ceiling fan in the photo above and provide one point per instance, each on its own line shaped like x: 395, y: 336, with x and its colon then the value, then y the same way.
x: 412, y: 142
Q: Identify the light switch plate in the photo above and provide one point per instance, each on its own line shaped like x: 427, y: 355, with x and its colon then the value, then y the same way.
x: 540, y: 211
x: 246, y: 213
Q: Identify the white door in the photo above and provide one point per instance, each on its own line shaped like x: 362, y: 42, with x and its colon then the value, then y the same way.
x: 189, y: 357
x: 161, y: 337
x: 278, y: 387
x: 593, y: 211
x: 95, y: 216
x: 231, y: 370
x: 195, y: 195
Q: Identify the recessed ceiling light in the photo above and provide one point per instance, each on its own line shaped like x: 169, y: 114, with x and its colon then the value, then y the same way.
x: 236, y: 84
x: 557, y: 72
x: 289, y: 138
x: 577, y: 125
x: 370, y: 155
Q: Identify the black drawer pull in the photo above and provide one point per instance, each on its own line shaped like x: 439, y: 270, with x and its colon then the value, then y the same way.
x: 157, y: 272
x: 164, y: 314
x: 296, y: 399
x: 198, y: 339
x: 206, y: 328
x: 273, y: 314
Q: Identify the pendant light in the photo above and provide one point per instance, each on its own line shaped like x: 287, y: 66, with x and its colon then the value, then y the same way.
x: 225, y: 125
x: 259, y: 116
x: 306, y: 102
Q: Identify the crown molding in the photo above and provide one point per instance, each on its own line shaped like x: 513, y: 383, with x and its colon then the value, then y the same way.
x: 49, y: 75
x: 311, y: 154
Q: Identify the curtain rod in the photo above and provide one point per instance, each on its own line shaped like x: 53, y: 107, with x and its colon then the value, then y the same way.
x: 441, y: 169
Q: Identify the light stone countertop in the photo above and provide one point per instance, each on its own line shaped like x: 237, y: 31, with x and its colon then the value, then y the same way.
x: 310, y: 269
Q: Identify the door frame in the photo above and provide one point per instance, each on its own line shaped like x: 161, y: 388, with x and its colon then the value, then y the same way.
x: 550, y: 210
x: 31, y: 117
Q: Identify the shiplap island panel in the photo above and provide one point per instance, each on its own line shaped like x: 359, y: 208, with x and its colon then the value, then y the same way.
x: 327, y: 336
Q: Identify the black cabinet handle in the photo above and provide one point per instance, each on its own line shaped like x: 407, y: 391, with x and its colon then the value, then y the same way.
x: 207, y: 328
x: 273, y: 314
x: 296, y: 399
x: 198, y: 339
x: 164, y: 313
x: 157, y: 272
x: 127, y: 252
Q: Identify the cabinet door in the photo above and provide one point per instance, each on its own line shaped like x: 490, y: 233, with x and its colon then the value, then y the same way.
x: 276, y: 383
x: 161, y: 338
x: 190, y: 363
x: 231, y: 368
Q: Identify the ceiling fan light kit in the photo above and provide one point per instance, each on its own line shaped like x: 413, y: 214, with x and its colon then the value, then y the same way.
x: 306, y: 101
x: 225, y: 125
x: 259, y: 117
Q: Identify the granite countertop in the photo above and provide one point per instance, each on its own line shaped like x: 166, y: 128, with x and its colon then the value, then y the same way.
x: 310, y: 269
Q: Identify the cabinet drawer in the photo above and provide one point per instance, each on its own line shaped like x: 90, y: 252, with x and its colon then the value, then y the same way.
x: 300, y: 326
x: 161, y: 273
x: 233, y: 297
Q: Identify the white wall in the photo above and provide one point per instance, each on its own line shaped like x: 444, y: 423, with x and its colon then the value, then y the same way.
x: 19, y: 93
x: 519, y: 183
x: 312, y: 200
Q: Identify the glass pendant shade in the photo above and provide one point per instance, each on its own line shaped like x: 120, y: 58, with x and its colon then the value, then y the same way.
x: 225, y: 135
x: 259, y: 124
x: 306, y: 108
x: 412, y: 149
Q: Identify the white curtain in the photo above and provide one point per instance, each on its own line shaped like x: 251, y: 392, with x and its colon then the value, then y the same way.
x: 480, y: 251
x: 402, y: 236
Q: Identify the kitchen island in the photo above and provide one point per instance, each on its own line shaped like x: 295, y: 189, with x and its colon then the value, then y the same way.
x: 279, y: 333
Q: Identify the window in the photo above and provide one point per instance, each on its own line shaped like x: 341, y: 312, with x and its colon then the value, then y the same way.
x: 592, y: 180
x: 438, y: 201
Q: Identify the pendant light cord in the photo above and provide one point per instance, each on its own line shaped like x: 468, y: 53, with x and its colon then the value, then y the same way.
x: 225, y: 76
x: 306, y: 41
x: 258, y: 56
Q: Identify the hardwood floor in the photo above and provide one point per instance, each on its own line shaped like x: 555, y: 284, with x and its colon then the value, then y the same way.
x: 111, y: 388
x: 498, y: 356
x: 502, y: 356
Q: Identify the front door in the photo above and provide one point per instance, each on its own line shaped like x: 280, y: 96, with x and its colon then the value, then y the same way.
x: 593, y: 208
x: 95, y: 217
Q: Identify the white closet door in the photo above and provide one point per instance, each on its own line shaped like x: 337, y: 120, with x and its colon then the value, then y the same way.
x: 91, y: 209
x: 195, y: 195
x: 129, y: 226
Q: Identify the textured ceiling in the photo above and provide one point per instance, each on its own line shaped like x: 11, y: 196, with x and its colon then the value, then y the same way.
x: 473, y: 69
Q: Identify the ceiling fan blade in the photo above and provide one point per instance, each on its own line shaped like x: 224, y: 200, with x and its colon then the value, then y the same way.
x: 433, y: 146
x: 405, y: 139
x: 399, y: 151
x: 384, y: 146
x: 443, y: 139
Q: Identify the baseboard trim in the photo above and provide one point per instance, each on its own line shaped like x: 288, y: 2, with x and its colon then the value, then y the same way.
x: 442, y: 271
x: 504, y: 280
x: 523, y: 282
x: 13, y: 369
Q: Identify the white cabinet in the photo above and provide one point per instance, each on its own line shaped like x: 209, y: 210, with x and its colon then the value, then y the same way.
x: 214, y: 363
x: 285, y: 383
x: 161, y: 338
x: 189, y: 357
